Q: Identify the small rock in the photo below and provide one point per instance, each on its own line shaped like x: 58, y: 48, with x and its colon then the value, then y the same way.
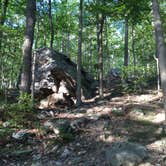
x: 146, y: 164
x: 58, y: 163
x: 20, y: 135
x: 138, y: 113
x: 36, y: 157
x: 78, y: 123
x: 6, y: 124
x: 41, y: 116
x: 58, y: 125
x: 65, y: 153
x: 93, y: 117
x: 81, y: 152
x: 78, y: 144
x: 55, y: 148
x: 118, y: 111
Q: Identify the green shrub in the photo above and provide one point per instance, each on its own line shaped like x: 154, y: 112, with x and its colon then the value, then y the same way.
x: 136, y: 79
x: 18, y: 114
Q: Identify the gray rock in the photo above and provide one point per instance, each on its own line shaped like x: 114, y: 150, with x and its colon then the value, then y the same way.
x: 47, y: 60
x: 59, y: 126
x: 36, y: 157
x: 146, y: 164
x: 6, y: 124
x: 126, y: 154
x: 58, y: 163
x: 78, y: 123
x: 65, y: 153
x: 21, y: 134
x: 65, y: 125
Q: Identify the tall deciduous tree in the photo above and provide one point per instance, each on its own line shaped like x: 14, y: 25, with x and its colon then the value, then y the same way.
x: 51, y: 24
x: 100, y: 24
x: 161, y: 48
x: 27, y: 47
x: 3, y: 5
x: 79, y: 55
x: 126, y: 52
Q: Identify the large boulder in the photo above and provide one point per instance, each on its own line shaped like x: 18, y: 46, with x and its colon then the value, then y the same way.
x: 113, y: 79
x: 55, y: 78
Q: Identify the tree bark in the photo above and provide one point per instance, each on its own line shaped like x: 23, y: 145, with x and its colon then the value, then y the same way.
x: 51, y: 24
x: 37, y: 29
x: 27, y: 47
x: 161, y: 48
x: 133, y: 47
x: 79, y: 55
x: 68, y: 44
x: 4, y: 6
x: 126, y: 53
x: 100, y: 23
x: 108, y: 64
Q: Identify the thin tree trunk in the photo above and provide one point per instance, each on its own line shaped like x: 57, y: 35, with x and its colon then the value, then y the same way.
x: 38, y: 29
x: 90, y: 55
x: 68, y: 44
x: 51, y: 24
x: 4, y: 6
x: 126, y: 53
x: 44, y: 37
x: 156, y: 57
x: 161, y: 48
x: 107, y: 46
x: 33, y: 77
x: 133, y: 47
x: 27, y: 47
x: 78, y: 93
x: 100, y: 24
x: 158, y: 75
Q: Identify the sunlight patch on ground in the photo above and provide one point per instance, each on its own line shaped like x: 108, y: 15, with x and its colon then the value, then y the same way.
x: 159, y: 118
x: 159, y: 145
x: 145, y: 97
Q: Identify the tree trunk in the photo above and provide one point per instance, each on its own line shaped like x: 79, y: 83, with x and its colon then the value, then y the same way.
x: 78, y: 93
x: 90, y: 55
x: 100, y: 23
x: 161, y: 48
x: 33, y: 78
x: 126, y: 53
x: 37, y: 29
x: 27, y: 47
x: 51, y: 24
x: 4, y: 5
x: 108, y: 65
x: 68, y: 44
x: 133, y: 47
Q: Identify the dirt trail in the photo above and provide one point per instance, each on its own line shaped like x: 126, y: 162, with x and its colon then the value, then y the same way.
x: 128, y: 118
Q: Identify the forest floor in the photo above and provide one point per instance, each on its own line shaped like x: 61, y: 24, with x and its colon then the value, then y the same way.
x: 132, y: 118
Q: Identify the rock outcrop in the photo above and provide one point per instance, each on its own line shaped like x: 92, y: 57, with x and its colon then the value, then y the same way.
x: 55, y: 79
x: 126, y: 154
